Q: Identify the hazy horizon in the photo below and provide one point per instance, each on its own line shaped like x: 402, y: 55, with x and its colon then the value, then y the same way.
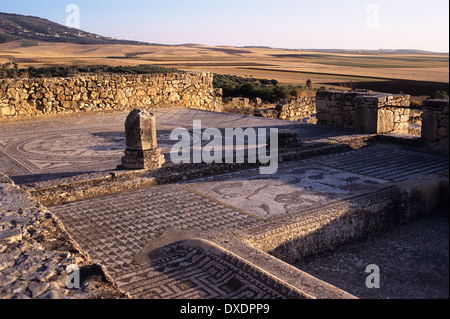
x: 288, y: 24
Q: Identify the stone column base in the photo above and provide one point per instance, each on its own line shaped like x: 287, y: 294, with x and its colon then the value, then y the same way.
x: 148, y: 160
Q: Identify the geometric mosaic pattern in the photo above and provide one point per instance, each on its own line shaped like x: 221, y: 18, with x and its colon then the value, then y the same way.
x: 50, y: 149
x: 295, y: 187
x: 115, y: 228
x: 302, y: 221
x: 194, y: 273
x: 59, y: 153
x: 386, y: 163
x: 63, y: 147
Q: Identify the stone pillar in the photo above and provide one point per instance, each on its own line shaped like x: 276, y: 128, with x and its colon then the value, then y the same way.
x: 367, y: 114
x: 142, y: 151
x: 435, y: 120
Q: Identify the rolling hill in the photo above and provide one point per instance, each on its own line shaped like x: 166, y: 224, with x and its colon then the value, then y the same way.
x: 15, y: 27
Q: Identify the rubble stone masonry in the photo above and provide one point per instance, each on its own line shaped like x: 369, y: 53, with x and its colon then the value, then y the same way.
x: 367, y: 112
x: 435, y: 119
x: 34, y: 97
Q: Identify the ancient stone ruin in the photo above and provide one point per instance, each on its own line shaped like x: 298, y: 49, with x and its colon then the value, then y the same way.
x: 69, y: 197
x: 142, y: 150
x: 435, y: 120
x: 35, y: 97
x: 366, y: 112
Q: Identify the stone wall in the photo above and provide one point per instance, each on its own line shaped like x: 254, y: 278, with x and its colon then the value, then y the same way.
x: 292, y: 109
x: 366, y: 112
x: 435, y: 121
x: 240, y: 102
x: 296, y: 109
x: 33, y: 97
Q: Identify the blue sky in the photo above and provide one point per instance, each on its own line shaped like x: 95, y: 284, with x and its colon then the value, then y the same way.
x: 319, y: 24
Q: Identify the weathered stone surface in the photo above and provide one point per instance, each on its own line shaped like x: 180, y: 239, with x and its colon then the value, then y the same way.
x: 10, y: 236
x: 37, y: 288
x: 373, y: 113
x: 289, y: 139
x: 142, y: 150
x: 435, y: 123
x: 35, y: 250
x: 140, y: 131
x: 6, y: 280
x: 385, y: 121
x: 5, y: 179
x: 7, y: 111
x: 292, y: 109
x: 151, y: 159
x: 12, y: 199
x: 429, y: 126
x: 442, y: 132
x: 54, y: 294
x: 335, y: 110
x: 324, y: 118
x: 321, y: 105
x: 295, y: 109
x: 6, y: 261
x: 34, y: 97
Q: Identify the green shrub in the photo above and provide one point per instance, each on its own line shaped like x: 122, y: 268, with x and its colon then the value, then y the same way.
x: 71, y: 71
x: 442, y: 95
x: 237, y: 86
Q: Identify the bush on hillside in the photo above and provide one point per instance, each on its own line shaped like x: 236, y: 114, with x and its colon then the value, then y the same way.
x: 70, y: 71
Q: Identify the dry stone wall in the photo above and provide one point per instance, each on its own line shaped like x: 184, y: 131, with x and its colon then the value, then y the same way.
x: 435, y: 126
x: 33, y: 97
x: 295, y: 109
x: 292, y: 109
x: 366, y: 112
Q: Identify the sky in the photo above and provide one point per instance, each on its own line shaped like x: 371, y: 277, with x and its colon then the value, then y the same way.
x: 292, y: 24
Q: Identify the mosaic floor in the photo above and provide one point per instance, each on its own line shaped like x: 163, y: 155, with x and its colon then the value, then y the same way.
x: 187, y: 272
x: 50, y: 149
x: 116, y: 228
